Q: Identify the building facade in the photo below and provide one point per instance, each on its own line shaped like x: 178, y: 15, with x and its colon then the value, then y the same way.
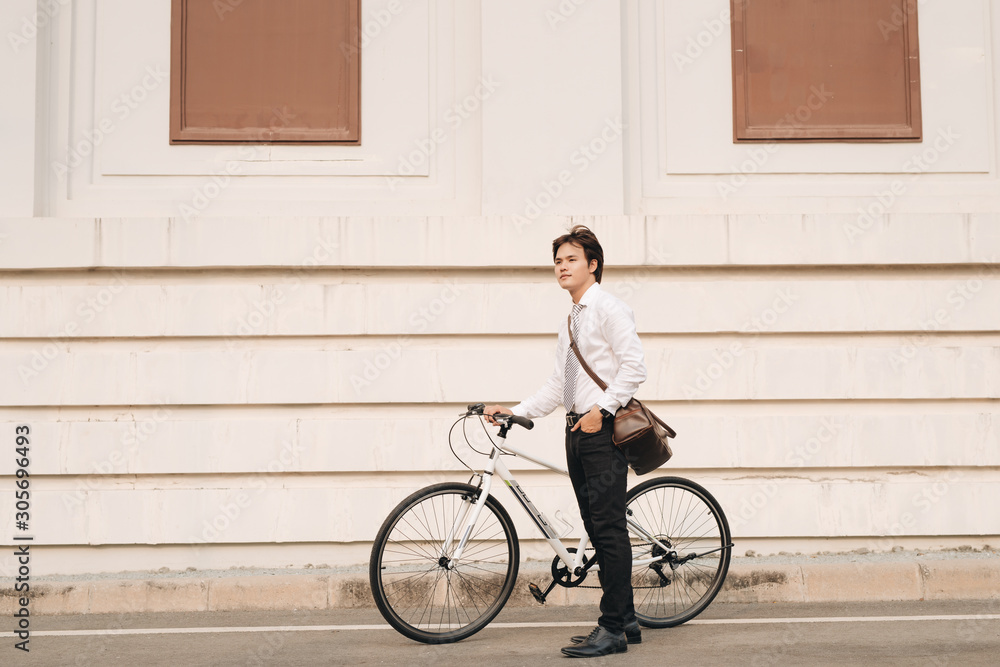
x: 245, y: 354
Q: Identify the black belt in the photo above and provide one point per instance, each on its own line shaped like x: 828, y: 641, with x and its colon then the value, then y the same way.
x: 572, y: 418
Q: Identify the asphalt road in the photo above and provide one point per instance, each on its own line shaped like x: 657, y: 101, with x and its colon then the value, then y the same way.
x: 911, y: 633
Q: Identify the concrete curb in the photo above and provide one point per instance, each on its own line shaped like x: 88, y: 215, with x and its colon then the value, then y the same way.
x: 748, y: 581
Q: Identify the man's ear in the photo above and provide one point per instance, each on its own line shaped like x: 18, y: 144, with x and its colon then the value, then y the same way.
x: 593, y: 265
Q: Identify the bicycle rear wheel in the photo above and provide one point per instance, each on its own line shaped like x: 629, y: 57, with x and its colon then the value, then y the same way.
x: 416, y: 586
x: 683, y: 579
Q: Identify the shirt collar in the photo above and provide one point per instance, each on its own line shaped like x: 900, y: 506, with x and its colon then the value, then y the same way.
x: 592, y: 293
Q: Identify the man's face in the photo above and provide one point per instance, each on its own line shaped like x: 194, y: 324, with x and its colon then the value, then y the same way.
x: 572, y: 271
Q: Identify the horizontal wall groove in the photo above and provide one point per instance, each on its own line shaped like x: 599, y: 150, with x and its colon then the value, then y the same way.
x: 494, y: 273
x: 341, y: 410
x: 472, y: 339
x: 539, y: 556
x: 168, y: 481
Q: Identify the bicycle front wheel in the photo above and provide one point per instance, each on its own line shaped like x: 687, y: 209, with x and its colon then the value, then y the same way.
x: 677, y: 583
x: 419, y: 589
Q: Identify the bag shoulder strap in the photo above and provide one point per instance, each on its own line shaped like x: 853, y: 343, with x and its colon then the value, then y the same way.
x: 572, y: 343
x: 600, y: 383
x: 670, y: 432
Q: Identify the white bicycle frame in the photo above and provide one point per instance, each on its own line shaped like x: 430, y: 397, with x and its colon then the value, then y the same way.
x: 496, y: 467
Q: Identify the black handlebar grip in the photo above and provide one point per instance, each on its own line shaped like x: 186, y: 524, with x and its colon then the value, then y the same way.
x: 522, y: 421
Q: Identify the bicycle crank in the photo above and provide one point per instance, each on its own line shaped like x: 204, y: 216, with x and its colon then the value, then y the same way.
x: 562, y: 576
x: 538, y: 593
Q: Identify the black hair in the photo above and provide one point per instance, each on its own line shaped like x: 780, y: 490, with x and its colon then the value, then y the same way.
x: 586, y: 239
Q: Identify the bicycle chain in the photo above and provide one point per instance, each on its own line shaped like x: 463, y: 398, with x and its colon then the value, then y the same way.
x: 636, y: 544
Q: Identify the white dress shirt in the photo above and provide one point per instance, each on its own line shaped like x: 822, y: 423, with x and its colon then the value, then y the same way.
x: 610, y: 345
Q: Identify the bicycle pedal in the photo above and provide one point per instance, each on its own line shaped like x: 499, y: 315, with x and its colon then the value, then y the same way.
x: 537, y: 593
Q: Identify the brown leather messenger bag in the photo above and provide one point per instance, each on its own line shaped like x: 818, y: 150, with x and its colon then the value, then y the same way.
x: 638, y: 433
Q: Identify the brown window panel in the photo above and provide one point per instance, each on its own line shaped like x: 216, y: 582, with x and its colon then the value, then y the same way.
x: 825, y: 70
x: 265, y: 71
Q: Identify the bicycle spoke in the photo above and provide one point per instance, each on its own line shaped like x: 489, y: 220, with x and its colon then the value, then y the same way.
x: 431, y: 598
x: 680, y: 516
x: 429, y: 554
x: 429, y: 605
x: 473, y: 591
x: 408, y: 586
x: 404, y: 547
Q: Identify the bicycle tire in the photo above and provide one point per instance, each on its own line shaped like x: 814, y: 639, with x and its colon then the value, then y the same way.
x: 414, y: 590
x: 688, y: 519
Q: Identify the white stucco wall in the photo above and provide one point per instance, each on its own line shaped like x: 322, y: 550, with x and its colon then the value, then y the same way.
x: 811, y: 400
x: 18, y: 68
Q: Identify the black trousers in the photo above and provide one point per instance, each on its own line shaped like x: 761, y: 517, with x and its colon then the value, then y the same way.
x: 598, y: 471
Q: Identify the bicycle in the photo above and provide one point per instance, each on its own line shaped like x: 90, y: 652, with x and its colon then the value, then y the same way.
x: 445, y: 560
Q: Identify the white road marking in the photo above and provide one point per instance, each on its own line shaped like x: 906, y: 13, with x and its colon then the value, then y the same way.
x: 561, y: 624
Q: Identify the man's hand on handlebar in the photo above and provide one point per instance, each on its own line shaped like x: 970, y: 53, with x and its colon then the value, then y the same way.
x: 491, y: 410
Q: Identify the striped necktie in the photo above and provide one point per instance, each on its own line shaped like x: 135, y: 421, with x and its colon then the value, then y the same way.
x: 572, y: 363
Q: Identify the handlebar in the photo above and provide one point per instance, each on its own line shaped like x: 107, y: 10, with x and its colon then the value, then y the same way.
x: 520, y: 421
x: 500, y: 418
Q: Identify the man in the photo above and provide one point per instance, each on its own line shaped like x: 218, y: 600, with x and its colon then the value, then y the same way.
x: 604, y: 330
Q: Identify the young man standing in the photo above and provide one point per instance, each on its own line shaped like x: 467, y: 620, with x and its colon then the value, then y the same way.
x: 604, y: 330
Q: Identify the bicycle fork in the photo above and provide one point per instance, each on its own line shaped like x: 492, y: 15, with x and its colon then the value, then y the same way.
x: 465, y: 522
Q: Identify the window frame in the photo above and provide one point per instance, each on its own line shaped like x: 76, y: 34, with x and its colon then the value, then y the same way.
x: 744, y: 132
x: 181, y: 135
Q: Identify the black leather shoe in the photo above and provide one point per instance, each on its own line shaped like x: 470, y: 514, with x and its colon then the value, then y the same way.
x: 598, y: 642
x: 633, y: 633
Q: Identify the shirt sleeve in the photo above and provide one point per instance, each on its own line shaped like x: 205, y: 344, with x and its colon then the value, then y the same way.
x: 619, y: 329
x: 549, y: 397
